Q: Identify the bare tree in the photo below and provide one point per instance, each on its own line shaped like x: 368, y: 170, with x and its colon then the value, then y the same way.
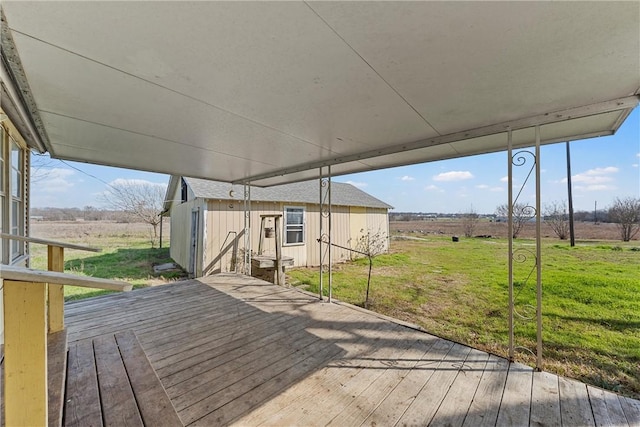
x: 41, y: 166
x: 141, y: 199
x: 626, y: 214
x: 521, y: 215
x: 557, y: 218
x: 470, y: 219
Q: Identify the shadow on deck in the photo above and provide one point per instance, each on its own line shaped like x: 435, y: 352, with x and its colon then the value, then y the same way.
x: 235, y: 350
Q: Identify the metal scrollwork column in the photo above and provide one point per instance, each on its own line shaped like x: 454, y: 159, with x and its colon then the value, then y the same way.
x: 247, y: 228
x: 524, y: 263
x: 324, y: 241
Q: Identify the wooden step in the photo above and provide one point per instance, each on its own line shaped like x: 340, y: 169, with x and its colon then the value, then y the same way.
x: 111, y: 382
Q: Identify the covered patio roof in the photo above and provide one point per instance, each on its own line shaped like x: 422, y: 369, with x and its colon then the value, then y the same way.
x: 267, y: 92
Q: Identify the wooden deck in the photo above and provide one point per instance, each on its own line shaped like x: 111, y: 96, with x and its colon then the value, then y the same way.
x: 232, y: 350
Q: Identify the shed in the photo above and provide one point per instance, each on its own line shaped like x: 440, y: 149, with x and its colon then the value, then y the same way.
x: 208, y: 221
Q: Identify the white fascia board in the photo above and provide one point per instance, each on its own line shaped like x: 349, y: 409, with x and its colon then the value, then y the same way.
x: 625, y: 105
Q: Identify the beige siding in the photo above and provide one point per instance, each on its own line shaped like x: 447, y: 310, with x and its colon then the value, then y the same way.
x: 378, y: 222
x: 222, y: 217
x: 358, y: 224
x: 340, y: 234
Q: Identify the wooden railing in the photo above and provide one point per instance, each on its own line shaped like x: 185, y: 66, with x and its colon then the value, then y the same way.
x: 34, y: 306
x: 55, y: 262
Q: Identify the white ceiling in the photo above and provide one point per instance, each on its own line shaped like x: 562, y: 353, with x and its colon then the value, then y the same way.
x: 269, y: 91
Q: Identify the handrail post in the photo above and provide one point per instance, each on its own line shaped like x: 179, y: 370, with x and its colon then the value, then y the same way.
x: 25, y: 350
x: 55, y: 262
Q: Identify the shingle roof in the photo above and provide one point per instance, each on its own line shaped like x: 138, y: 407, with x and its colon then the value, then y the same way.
x: 299, y: 192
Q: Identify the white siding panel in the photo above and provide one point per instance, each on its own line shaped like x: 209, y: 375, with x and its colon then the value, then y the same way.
x: 181, y: 232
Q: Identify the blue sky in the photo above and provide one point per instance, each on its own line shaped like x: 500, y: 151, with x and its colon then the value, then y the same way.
x: 602, y: 169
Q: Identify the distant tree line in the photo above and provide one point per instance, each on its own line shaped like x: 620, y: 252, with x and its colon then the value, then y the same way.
x: 624, y: 213
x: 88, y: 213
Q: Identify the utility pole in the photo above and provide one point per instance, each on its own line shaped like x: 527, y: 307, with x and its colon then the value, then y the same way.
x: 572, y: 235
x: 595, y: 213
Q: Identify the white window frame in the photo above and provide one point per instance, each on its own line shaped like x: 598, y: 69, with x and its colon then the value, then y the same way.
x: 287, y: 226
x: 12, y: 221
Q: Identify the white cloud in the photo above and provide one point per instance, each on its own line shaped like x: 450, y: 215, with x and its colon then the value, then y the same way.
x: 635, y: 165
x: 453, y: 176
x: 134, y: 182
x: 433, y: 188
x: 497, y: 189
x: 596, y: 187
x: 594, y: 177
x: 54, y: 180
x: 638, y: 155
x: 407, y: 178
x: 358, y: 184
x: 482, y: 186
x: 504, y: 179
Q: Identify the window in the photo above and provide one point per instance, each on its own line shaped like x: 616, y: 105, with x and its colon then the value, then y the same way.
x: 16, y: 198
x: 13, y: 201
x: 293, y: 226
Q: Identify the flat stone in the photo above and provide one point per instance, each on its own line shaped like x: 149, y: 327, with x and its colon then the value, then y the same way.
x: 164, y: 267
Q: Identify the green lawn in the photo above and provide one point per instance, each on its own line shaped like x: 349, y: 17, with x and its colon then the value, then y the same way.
x: 129, y: 259
x: 591, y: 302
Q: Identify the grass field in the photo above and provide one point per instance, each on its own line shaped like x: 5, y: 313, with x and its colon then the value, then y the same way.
x: 126, y: 253
x: 591, y: 302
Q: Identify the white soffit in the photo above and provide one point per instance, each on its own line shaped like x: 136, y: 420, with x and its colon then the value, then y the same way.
x: 268, y: 90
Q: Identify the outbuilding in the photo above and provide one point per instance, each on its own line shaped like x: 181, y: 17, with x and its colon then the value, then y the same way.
x: 208, y: 222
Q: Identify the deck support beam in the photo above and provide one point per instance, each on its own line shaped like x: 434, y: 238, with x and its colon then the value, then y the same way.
x: 25, y: 372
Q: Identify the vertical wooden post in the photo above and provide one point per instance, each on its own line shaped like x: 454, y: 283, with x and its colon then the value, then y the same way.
x: 55, y: 262
x: 25, y: 352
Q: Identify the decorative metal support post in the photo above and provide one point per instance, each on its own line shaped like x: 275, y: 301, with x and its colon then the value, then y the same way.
x: 325, y: 237
x: 321, y: 231
x: 330, y: 245
x: 247, y: 228
x: 519, y: 214
x: 538, y: 255
x: 510, y: 239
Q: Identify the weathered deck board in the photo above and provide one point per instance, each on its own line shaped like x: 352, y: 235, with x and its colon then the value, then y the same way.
x: 453, y: 409
x: 426, y: 404
x: 82, y: 401
x: 118, y: 402
x: 631, y: 410
x: 516, y: 398
x: 155, y: 406
x: 545, y: 399
x: 236, y: 350
x: 575, y: 408
x: 607, y: 410
x: 339, y: 383
x: 486, y: 402
x: 57, y: 374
